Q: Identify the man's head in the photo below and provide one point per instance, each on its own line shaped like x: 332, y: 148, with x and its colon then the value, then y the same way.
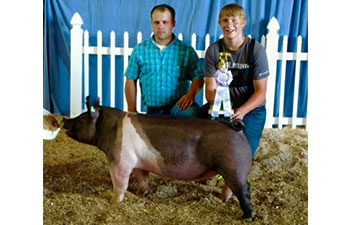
x: 163, y: 8
x: 232, y: 20
x: 163, y: 23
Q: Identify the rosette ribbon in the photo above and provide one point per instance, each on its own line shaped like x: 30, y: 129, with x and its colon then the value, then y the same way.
x: 223, y: 79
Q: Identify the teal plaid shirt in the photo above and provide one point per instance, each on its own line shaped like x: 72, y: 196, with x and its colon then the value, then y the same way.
x: 164, y: 76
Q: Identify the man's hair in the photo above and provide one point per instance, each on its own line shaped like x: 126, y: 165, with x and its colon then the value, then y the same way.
x: 164, y: 7
x: 232, y: 10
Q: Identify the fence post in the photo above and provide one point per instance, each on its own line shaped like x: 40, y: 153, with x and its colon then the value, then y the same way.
x: 282, y: 82
x: 112, y: 71
x: 125, y: 66
x: 272, y: 54
x: 76, y: 43
x: 86, y: 65
x: 194, y: 41
x: 296, y: 83
x: 99, y: 66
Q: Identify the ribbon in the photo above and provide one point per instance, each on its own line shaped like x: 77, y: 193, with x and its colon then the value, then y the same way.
x: 223, y: 78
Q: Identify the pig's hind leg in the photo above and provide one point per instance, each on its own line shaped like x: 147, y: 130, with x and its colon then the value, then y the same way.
x: 244, y: 201
x: 241, y: 189
x: 141, y: 178
x: 120, y: 179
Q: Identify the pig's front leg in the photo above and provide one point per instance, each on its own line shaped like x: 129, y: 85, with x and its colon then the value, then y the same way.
x: 120, y: 179
x: 141, y: 178
x: 226, y: 193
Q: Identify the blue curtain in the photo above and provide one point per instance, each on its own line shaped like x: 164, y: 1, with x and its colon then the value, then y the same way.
x: 196, y: 16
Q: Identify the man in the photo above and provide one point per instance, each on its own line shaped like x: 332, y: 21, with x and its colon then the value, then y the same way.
x: 164, y: 66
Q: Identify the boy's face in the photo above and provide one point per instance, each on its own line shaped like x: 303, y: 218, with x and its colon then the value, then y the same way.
x: 231, y: 26
x: 162, y: 26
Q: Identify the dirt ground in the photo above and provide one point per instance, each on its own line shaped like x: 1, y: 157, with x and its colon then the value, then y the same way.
x: 77, y: 188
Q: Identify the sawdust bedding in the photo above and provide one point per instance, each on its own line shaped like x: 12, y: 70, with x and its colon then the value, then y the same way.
x: 77, y: 188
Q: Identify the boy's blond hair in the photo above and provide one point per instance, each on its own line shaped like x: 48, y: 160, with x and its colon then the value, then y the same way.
x: 232, y: 10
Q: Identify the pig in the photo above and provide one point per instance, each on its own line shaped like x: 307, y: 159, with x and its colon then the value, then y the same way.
x: 185, y: 149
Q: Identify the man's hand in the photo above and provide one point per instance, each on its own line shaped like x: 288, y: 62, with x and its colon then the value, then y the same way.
x: 185, y: 102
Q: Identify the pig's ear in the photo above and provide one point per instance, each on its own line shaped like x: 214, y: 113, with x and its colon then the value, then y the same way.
x: 94, y: 112
x: 97, y: 102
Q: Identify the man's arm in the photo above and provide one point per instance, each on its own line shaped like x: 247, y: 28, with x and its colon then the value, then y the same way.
x: 188, y: 99
x: 130, y: 94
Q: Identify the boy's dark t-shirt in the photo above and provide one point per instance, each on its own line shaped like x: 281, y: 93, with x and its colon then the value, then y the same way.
x: 259, y: 70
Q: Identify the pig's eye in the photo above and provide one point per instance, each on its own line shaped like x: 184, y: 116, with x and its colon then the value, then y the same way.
x: 82, y: 120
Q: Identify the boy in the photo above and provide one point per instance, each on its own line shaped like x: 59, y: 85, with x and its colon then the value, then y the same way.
x: 249, y: 67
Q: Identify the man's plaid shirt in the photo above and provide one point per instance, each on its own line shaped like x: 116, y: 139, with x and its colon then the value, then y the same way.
x: 164, y: 75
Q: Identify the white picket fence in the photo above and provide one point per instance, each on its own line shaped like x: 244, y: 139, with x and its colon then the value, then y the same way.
x: 270, y: 42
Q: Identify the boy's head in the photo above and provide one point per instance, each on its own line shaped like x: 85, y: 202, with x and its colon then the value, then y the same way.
x: 232, y: 10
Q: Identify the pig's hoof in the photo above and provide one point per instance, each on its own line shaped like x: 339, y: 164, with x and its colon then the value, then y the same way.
x: 141, y: 191
x: 224, y: 197
x: 249, y: 216
x: 249, y: 219
x: 212, y: 182
x: 112, y: 201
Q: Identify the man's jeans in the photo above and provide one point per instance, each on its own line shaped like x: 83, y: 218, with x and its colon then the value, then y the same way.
x: 173, y: 110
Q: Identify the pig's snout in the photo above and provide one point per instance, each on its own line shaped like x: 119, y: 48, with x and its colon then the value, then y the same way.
x: 65, y: 124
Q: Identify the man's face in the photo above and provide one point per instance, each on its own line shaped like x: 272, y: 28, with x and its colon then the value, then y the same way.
x: 231, y: 26
x: 162, y: 26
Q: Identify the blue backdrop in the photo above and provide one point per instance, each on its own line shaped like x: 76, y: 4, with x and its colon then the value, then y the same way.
x: 192, y: 16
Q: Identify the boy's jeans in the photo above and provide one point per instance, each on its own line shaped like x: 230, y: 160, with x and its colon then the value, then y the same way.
x: 254, y: 124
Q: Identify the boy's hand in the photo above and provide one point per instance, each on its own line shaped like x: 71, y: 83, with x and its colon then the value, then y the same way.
x: 238, y: 115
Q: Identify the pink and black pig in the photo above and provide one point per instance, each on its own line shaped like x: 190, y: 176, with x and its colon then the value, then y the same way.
x: 177, y: 148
